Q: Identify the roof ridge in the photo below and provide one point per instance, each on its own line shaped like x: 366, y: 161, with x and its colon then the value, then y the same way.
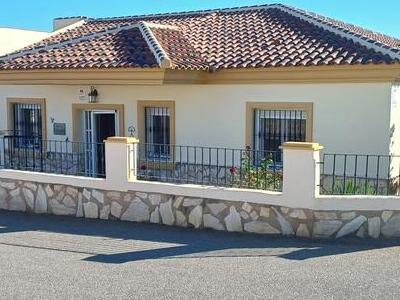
x: 313, y: 18
x: 160, y: 54
x: 183, y: 13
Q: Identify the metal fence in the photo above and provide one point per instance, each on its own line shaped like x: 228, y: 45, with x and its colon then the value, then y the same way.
x: 49, y: 156
x: 360, y: 174
x: 240, y: 168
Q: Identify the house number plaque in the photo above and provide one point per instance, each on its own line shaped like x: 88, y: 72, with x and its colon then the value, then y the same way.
x: 59, y: 129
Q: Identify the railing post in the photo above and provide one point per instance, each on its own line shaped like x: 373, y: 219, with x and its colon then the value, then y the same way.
x: 120, y: 157
x: 301, y: 172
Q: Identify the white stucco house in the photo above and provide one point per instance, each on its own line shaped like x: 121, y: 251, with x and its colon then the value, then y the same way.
x: 252, y: 76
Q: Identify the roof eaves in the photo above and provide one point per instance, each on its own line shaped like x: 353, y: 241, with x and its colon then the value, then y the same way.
x: 310, y: 18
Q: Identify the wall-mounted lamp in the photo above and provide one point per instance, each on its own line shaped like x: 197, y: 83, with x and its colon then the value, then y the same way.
x: 93, y: 95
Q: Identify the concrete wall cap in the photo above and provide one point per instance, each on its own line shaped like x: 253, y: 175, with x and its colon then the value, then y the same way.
x: 301, y: 146
x: 122, y: 140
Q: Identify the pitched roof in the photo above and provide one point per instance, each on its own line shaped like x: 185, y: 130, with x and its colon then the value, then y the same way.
x: 248, y: 37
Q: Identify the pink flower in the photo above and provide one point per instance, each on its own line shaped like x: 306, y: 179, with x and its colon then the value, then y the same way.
x: 233, y: 170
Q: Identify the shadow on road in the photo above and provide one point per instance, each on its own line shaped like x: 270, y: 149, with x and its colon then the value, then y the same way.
x: 190, y: 243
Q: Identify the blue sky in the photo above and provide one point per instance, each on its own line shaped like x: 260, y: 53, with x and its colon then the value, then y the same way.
x: 383, y: 15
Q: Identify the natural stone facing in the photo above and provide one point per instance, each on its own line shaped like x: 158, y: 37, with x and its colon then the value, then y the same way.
x: 98, y: 196
x: 302, y: 231
x: 91, y: 210
x: 114, y: 195
x: 392, y: 227
x: 73, y: 192
x: 348, y: 216
x: 244, y: 215
x: 233, y: 221
x: 178, y: 201
x: 298, y: 214
x: 216, y: 208
x: 286, y: 227
x: 137, y: 211
x: 155, y: 216
x: 195, y: 212
x: 361, y: 232
x: 29, y: 197
x: 212, y: 222
x: 386, y: 215
x: 265, y: 212
x: 49, y: 191
x: 15, y: 192
x: 167, y: 215
x: 374, y: 227
x: 180, y: 219
x: 79, y: 211
x: 254, y: 215
x: 155, y: 199
x: 59, y: 209
x: 260, y: 227
x: 196, y: 216
x: 285, y: 210
x: 247, y: 207
x: 116, y: 209
x: 326, y: 228
x: 325, y: 215
x: 87, y: 194
x: 31, y: 186
x: 17, y: 203
x: 143, y: 196
x: 105, y: 212
x: 41, y: 201
x: 192, y: 202
x: 8, y: 185
x: 351, y: 227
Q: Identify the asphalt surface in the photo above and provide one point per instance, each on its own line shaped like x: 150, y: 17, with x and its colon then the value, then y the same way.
x: 45, y: 257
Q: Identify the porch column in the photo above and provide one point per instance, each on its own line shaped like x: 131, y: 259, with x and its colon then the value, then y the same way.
x: 301, y: 172
x: 121, y: 167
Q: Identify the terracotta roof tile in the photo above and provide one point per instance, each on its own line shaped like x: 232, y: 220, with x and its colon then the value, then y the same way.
x: 253, y: 37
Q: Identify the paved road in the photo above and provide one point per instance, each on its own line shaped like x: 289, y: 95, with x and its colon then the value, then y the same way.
x: 67, y: 258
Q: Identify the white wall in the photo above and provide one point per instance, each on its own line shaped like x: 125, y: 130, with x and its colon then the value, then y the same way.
x: 13, y: 39
x: 347, y: 117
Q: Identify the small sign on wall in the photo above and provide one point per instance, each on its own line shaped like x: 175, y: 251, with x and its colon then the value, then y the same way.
x: 83, y: 94
x: 59, y: 129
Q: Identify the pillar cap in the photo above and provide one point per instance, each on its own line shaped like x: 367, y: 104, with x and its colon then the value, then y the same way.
x: 122, y: 140
x: 302, y: 146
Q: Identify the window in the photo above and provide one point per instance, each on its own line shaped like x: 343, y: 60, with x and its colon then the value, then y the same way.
x: 274, y: 127
x: 273, y: 124
x: 156, y: 128
x: 26, y: 117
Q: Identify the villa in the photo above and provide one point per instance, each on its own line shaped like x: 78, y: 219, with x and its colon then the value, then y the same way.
x: 207, y: 98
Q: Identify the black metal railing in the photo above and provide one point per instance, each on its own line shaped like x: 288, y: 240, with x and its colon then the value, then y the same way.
x: 240, y: 168
x: 49, y: 156
x: 360, y: 174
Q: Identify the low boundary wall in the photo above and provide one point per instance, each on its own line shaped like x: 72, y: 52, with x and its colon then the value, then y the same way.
x: 299, y: 210
x: 197, y: 212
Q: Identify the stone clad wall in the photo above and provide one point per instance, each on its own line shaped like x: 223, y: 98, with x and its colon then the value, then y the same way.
x: 195, y: 212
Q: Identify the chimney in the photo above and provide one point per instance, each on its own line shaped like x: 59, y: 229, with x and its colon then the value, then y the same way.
x: 59, y: 23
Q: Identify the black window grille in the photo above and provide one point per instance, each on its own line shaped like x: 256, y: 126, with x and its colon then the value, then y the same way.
x: 27, y: 122
x: 274, y: 127
x: 157, y: 132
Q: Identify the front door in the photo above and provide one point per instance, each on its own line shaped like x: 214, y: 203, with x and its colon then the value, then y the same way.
x: 99, y: 125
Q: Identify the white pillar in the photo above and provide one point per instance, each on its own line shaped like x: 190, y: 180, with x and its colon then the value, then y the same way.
x: 301, y: 172
x: 121, y: 155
